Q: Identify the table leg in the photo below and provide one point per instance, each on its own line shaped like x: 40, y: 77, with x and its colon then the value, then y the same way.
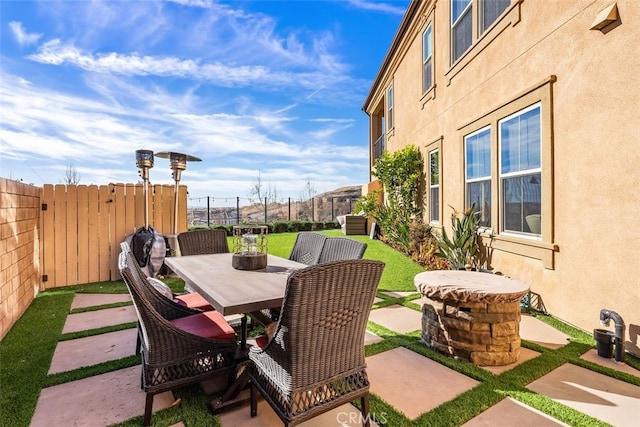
x: 230, y: 398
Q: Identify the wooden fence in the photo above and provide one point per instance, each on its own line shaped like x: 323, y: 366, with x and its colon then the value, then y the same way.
x: 82, y: 227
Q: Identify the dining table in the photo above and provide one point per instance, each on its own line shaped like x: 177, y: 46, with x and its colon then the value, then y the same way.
x: 233, y: 291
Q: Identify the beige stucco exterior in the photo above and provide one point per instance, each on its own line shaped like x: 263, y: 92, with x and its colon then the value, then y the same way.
x: 587, y: 82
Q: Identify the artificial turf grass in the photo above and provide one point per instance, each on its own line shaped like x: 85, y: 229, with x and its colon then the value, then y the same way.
x: 26, y: 353
x: 193, y: 406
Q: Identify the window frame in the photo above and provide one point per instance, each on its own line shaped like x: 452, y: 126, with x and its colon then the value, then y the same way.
x: 543, y: 247
x: 434, y: 146
x: 467, y: 11
x: 485, y: 178
x: 503, y: 176
x: 389, y: 119
x: 425, y: 87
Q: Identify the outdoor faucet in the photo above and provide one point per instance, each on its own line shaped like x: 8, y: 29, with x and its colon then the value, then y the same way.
x: 605, y: 317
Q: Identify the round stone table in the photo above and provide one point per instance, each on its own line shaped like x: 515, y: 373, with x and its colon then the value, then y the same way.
x: 471, y: 315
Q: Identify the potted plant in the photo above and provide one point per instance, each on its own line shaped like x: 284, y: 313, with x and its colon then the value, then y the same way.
x: 461, y: 250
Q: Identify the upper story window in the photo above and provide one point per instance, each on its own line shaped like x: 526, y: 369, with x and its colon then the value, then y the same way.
x: 489, y: 12
x: 461, y: 27
x: 389, y: 121
x: 520, y: 171
x: 434, y: 186
x: 470, y: 19
x: 477, y: 149
x: 427, y: 60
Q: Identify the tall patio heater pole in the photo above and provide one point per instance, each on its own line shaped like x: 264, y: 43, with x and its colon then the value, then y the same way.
x: 178, y: 164
x: 144, y: 161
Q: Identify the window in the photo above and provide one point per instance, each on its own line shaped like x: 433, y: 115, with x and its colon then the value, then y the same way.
x: 427, y: 60
x: 477, y: 148
x: 490, y: 10
x: 434, y: 186
x: 461, y: 27
x: 520, y: 171
x: 390, y: 108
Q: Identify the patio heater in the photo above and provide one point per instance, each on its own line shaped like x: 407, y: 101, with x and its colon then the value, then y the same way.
x: 147, y: 245
x: 144, y: 161
x: 178, y: 163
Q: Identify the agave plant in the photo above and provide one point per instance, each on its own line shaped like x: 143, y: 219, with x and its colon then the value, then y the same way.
x: 460, y: 250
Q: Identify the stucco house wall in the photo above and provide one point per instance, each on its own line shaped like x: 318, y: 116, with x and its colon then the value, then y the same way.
x: 587, y: 84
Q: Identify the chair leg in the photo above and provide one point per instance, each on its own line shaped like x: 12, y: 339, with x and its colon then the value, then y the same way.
x: 148, y: 410
x: 364, y: 401
x: 254, y: 400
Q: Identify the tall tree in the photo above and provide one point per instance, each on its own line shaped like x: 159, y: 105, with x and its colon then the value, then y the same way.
x: 71, y: 175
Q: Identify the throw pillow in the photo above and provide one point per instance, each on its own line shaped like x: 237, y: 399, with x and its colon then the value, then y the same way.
x: 161, y: 287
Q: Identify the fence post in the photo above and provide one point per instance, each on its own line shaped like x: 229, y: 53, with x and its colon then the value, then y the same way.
x: 237, y: 210
x: 265, y: 210
x: 313, y: 212
x: 350, y: 208
x: 289, y: 205
x: 208, y: 213
x: 332, y: 213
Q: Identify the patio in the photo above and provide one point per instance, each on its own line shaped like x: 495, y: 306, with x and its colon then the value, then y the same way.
x: 407, y: 386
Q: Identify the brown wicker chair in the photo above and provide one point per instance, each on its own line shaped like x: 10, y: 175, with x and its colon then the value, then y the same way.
x: 205, y: 241
x: 340, y: 249
x: 315, y: 360
x: 307, y: 248
x: 178, y: 347
x: 201, y: 242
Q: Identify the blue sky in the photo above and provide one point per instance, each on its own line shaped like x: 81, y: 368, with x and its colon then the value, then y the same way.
x: 251, y: 87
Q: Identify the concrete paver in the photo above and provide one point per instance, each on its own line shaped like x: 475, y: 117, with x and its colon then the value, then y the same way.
x: 98, y: 319
x: 397, y: 318
x: 534, y: 330
x: 510, y: 412
x: 600, y: 396
x: 89, y: 351
x: 93, y: 300
x: 100, y: 400
x: 407, y: 381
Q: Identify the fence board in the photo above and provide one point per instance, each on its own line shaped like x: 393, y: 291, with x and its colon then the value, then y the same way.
x: 104, y: 206
x: 82, y: 264
x: 93, y: 228
x: 48, y: 238
x: 118, y: 226
x: 130, y: 210
x: 139, y: 206
x: 59, y: 233
x: 72, y: 234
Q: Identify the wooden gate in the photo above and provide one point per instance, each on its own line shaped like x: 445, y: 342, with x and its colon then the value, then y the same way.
x: 82, y: 227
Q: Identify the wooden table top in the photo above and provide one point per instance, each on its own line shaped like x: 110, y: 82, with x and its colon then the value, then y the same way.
x: 469, y: 286
x: 232, y: 291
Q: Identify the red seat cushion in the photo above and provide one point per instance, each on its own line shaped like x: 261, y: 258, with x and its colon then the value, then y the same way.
x: 193, y: 300
x: 210, y: 324
x: 262, y: 341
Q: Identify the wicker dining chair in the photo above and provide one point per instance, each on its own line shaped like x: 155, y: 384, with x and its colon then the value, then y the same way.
x: 307, y: 247
x: 178, y: 348
x: 341, y: 248
x: 204, y: 241
x: 201, y: 242
x: 315, y: 360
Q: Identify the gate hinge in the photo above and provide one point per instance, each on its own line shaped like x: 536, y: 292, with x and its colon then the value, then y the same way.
x: 45, y: 278
x: 44, y: 206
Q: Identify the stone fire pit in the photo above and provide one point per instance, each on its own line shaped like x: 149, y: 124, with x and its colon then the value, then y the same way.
x: 471, y: 315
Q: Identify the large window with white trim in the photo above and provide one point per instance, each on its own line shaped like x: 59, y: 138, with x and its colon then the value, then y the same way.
x: 434, y: 186
x: 427, y: 60
x: 520, y: 171
x: 477, y: 149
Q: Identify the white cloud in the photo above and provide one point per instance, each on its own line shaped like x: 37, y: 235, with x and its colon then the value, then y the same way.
x: 378, y: 7
x: 20, y: 34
